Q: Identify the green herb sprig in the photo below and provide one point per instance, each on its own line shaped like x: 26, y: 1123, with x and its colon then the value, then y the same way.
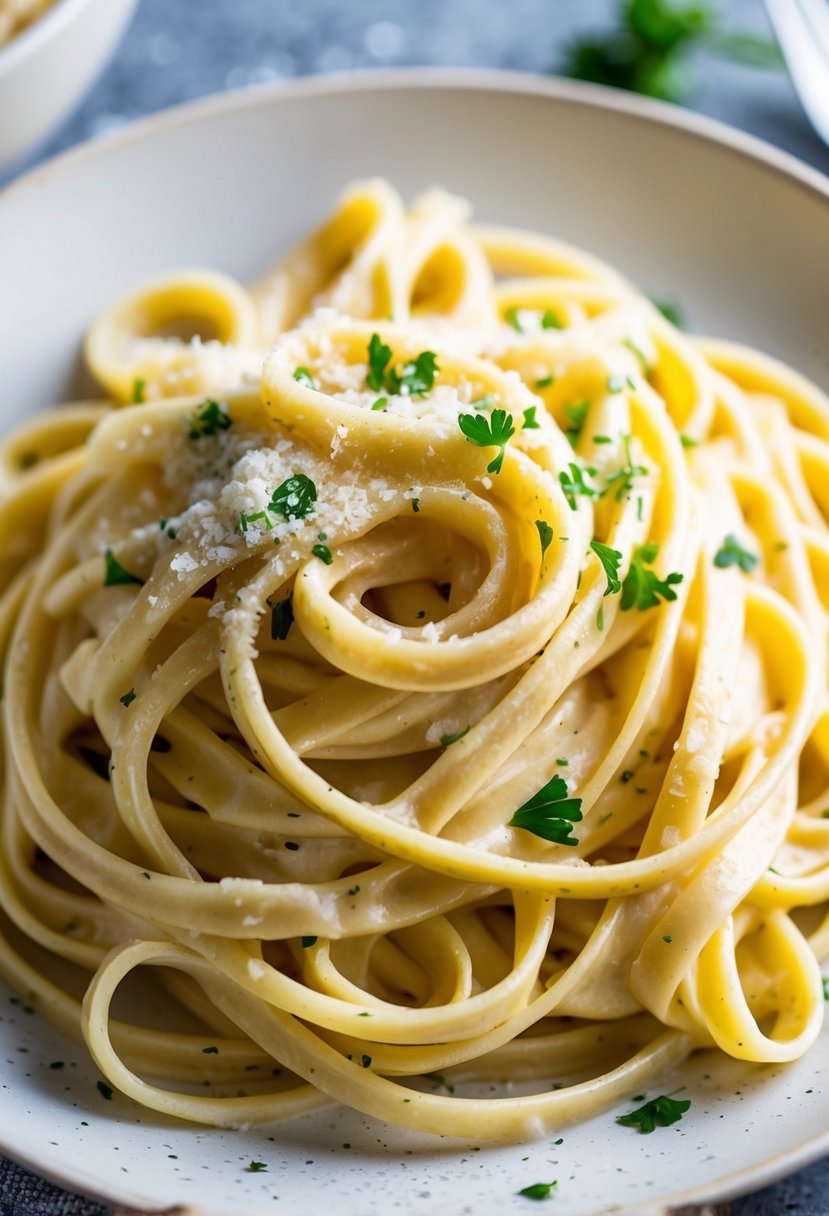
x: 494, y: 431
x: 643, y: 588
x: 659, y: 1112
x: 610, y: 559
x: 732, y: 553
x: 550, y: 813
x: 647, y: 51
x: 208, y: 419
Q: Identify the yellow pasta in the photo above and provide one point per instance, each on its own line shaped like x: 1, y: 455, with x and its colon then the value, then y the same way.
x: 421, y: 675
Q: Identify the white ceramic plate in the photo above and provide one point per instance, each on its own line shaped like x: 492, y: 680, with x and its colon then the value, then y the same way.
x: 736, y: 231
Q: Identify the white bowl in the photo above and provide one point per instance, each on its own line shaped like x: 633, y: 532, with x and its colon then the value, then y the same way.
x: 46, y: 69
x: 738, y: 232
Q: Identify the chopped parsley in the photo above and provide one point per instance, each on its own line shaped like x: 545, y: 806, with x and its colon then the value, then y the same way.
x: 415, y: 505
x: 671, y: 311
x: 688, y: 441
x: 610, y: 559
x: 545, y: 381
x: 538, y: 1190
x: 576, y: 414
x: 323, y: 553
x: 254, y: 517
x: 127, y: 698
x: 513, y: 317
x: 495, y: 431
x: 116, y: 575
x: 550, y: 813
x: 380, y: 403
x: 622, y: 480
x: 138, y: 386
x: 282, y: 618
x: 210, y: 1051
x: 545, y: 534
x: 659, y: 1112
x: 530, y: 421
x: 825, y: 983
x: 378, y: 357
x: 448, y: 740
x: 643, y: 588
x: 308, y: 941
x: 208, y: 419
x: 303, y: 376
x: 573, y: 484
x: 104, y: 1090
x: 416, y: 378
x: 294, y: 498
x: 549, y: 320
x: 732, y: 553
x: 256, y: 1167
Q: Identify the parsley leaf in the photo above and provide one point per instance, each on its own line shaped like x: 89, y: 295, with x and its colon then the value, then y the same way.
x: 380, y: 403
x: 545, y: 534
x: 550, y: 813
x: 303, y: 376
x: 538, y: 1190
x: 256, y: 1167
x: 610, y: 559
x: 513, y: 317
x: 530, y: 422
x: 643, y: 588
x: 417, y: 376
x: 295, y: 498
x: 573, y: 484
x: 659, y: 1112
x: 323, y: 553
x: 128, y: 698
x: 576, y: 414
x: 671, y: 311
x: 282, y: 618
x: 732, y: 553
x: 138, y: 386
x: 378, y: 357
x: 116, y: 575
x: 448, y: 740
x: 625, y: 476
x: 495, y: 431
x: 647, y: 53
x: 208, y: 419
x: 549, y: 320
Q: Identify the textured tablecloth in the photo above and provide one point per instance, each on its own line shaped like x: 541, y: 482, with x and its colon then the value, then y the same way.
x: 177, y: 50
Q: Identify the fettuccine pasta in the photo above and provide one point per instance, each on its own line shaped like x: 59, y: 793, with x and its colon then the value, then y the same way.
x: 415, y: 682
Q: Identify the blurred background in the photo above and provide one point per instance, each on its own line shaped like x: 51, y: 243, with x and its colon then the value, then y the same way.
x: 723, y: 63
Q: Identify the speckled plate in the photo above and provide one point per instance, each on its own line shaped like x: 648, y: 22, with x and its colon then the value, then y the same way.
x: 736, y: 231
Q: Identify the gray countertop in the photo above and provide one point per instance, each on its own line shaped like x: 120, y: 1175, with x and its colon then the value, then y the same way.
x: 177, y: 50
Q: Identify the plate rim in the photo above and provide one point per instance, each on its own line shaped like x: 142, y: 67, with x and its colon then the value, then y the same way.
x: 509, y: 82
x: 498, y: 80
